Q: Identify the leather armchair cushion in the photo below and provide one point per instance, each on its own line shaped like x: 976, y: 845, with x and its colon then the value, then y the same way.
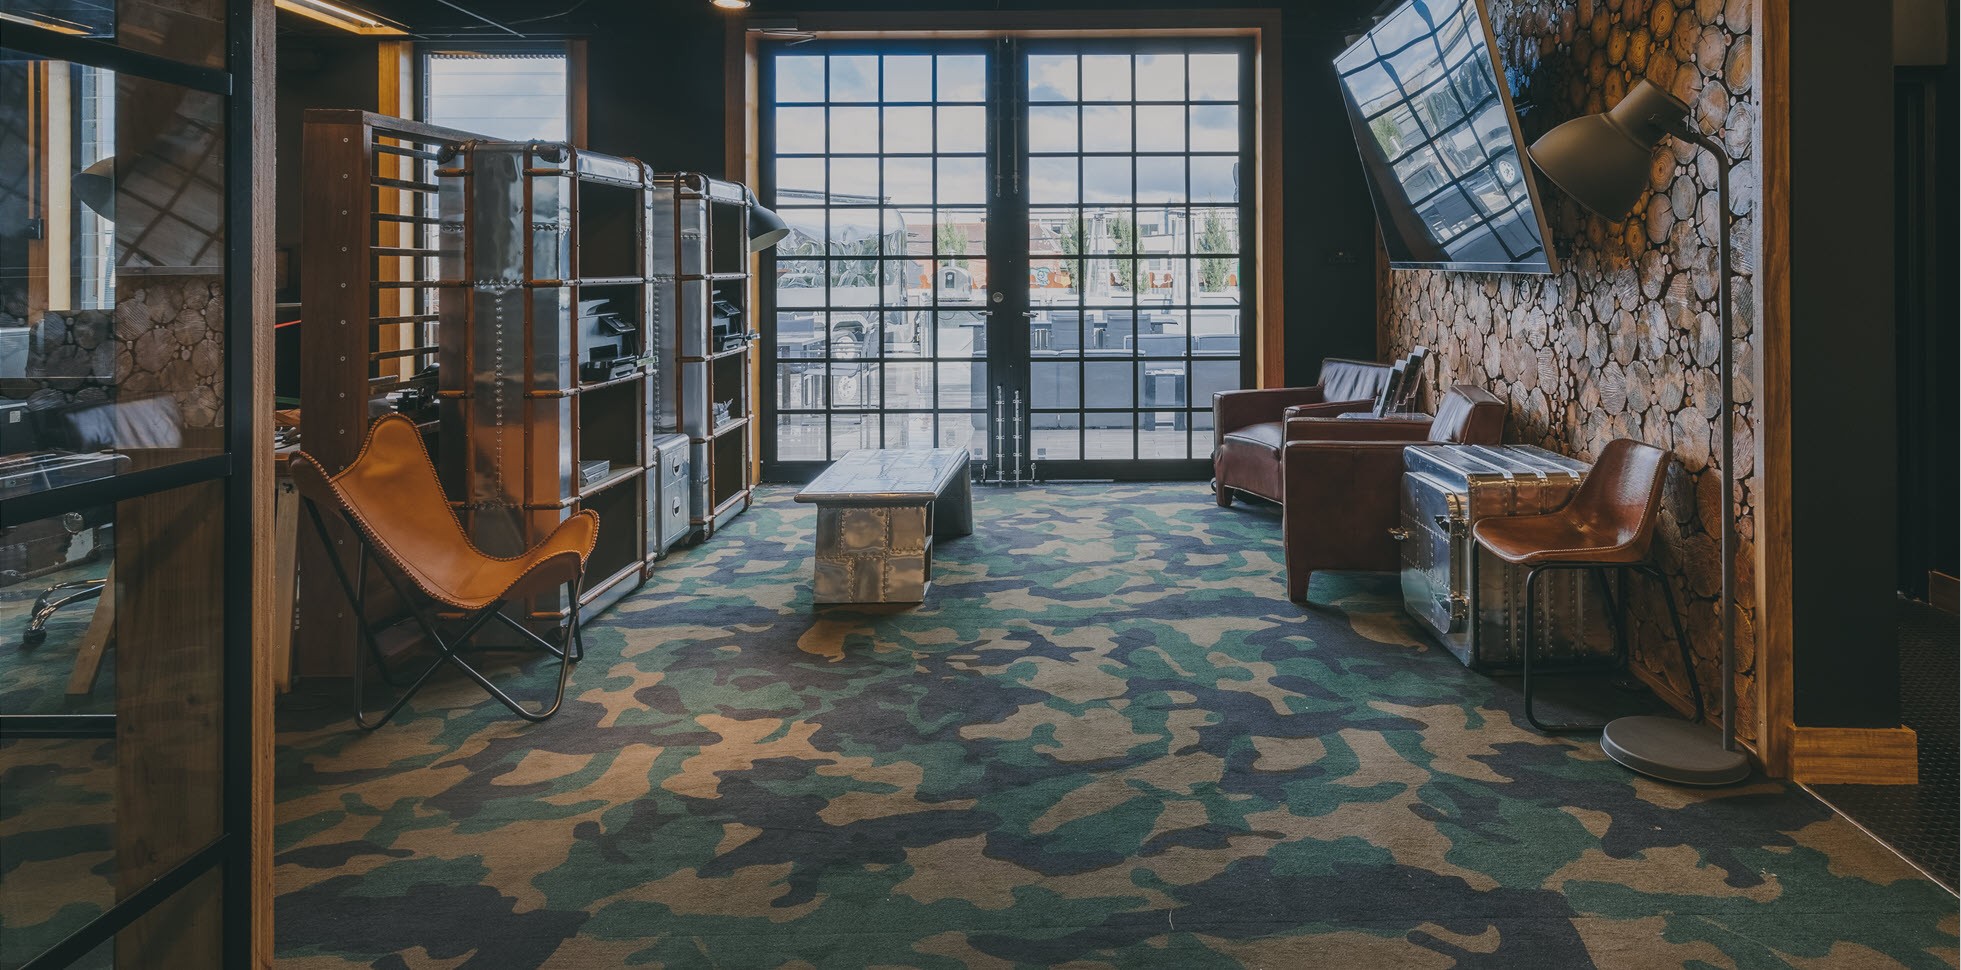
x: 1236, y: 409
x: 1266, y: 435
x: 1373, y: 429
x: 1352, y: 380
x: 1469, y: 415
x: 1328, y: 409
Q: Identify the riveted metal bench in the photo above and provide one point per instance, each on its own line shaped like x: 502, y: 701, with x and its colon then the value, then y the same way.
x: 878, y: 514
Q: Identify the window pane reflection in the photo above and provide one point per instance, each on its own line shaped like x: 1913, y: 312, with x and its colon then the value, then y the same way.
x: 112, y: 309
x: 191, y: 31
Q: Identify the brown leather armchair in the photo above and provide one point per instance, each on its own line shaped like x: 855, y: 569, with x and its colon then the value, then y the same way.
x: 1247, y: 426
x: 1344, y: 481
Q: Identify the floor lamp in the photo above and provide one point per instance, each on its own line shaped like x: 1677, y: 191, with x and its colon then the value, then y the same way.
x: 1603, y: 162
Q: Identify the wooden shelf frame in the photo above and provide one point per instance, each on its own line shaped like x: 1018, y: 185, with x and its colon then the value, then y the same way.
x: 367, y: 298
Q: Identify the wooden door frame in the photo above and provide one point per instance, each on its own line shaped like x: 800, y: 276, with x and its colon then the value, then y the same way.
x: 1771, y: 345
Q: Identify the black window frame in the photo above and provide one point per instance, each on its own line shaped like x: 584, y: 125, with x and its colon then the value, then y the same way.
x: 1007, y: 209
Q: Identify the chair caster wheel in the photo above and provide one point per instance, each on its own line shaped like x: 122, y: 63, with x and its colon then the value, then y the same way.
x: 33, y: 638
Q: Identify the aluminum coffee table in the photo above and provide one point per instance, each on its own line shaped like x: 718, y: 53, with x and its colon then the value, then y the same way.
x: 878, y: 513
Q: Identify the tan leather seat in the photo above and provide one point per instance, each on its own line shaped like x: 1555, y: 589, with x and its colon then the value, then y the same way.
x: 1610, y: 520
x: 390, y: 493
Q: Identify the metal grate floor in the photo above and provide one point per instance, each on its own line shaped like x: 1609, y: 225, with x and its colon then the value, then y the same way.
x: 1921, y: 822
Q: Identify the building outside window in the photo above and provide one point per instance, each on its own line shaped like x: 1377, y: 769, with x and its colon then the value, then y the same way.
x: 518, y: 96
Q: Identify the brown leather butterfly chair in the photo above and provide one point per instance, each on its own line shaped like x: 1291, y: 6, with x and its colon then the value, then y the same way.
x: 391, y: 498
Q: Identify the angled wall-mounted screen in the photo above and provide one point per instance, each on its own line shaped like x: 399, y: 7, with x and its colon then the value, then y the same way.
x: 1446, y: 161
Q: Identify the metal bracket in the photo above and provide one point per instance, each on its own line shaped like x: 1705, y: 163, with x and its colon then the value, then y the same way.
x: 1458, y: 606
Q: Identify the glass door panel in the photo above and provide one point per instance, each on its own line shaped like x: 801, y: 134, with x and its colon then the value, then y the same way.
x: 1072, y: 244
x: 1133, y: 212
x: 120, y: 488
x: 877, y: 157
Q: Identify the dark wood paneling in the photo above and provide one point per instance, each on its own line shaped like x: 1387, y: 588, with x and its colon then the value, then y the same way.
x: 170, y: 717
x: 266, y: 619
x: 1844, y: 470
x: 1775, y: 723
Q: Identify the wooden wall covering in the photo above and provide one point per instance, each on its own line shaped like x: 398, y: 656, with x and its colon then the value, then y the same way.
x: 1623, y: 342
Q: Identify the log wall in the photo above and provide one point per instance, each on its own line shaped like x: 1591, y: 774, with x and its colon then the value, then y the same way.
x: 1624, y: 341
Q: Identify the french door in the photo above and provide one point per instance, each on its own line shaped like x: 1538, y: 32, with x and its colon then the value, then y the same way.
x: 1028, y: 250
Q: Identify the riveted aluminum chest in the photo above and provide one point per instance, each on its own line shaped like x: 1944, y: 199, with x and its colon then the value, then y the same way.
x: 1473, y: 602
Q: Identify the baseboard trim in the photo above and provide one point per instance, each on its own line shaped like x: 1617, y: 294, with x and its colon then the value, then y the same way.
x: 1854, y: 756
x: 1944, y: 591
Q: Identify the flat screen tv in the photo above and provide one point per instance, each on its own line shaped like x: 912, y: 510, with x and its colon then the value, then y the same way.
x: 1447, y: 168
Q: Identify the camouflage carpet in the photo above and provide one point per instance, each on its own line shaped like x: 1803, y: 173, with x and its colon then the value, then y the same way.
x: 1106, y: 740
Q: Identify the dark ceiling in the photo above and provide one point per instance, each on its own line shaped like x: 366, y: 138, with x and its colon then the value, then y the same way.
x: 545, y: 19
x: 499, y: 19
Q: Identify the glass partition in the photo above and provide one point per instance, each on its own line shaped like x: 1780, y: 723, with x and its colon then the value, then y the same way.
x: 123, y: 627
x: 112, y: 258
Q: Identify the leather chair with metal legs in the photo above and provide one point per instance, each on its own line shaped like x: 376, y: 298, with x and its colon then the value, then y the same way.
x: 1608, y: 525
x: 395, y: 506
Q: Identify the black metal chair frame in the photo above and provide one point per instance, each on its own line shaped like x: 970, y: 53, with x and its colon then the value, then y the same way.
x: 50, y: 602
x: 570, y: 649
x: 1617, y: 609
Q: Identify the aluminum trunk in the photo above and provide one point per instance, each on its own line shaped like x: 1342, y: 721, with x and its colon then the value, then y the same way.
x: 1470, y: 600
x: 671, y: 494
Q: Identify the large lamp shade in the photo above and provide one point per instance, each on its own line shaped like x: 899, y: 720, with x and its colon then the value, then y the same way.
x: 766, y: 228
x: 1602, y: 160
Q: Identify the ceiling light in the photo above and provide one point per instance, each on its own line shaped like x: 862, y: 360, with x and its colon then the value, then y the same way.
x: 346, y: 18
x: 731, y: 4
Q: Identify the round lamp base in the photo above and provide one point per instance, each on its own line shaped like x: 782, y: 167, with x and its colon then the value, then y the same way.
x: 1675, y: 750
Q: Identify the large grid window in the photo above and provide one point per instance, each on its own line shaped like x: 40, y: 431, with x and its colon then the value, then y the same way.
x: 879, y: 165
x: 1133, y: 188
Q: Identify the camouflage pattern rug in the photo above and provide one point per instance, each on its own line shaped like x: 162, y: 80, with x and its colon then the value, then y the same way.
x: 1107, y: 740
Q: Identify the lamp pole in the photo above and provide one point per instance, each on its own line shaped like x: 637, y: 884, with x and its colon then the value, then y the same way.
x: 1603, y: 161
x: 1725, y: 364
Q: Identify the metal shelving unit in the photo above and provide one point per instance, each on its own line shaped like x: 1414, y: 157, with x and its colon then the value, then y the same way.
x: 549, y: 385
x: 704, y: 329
